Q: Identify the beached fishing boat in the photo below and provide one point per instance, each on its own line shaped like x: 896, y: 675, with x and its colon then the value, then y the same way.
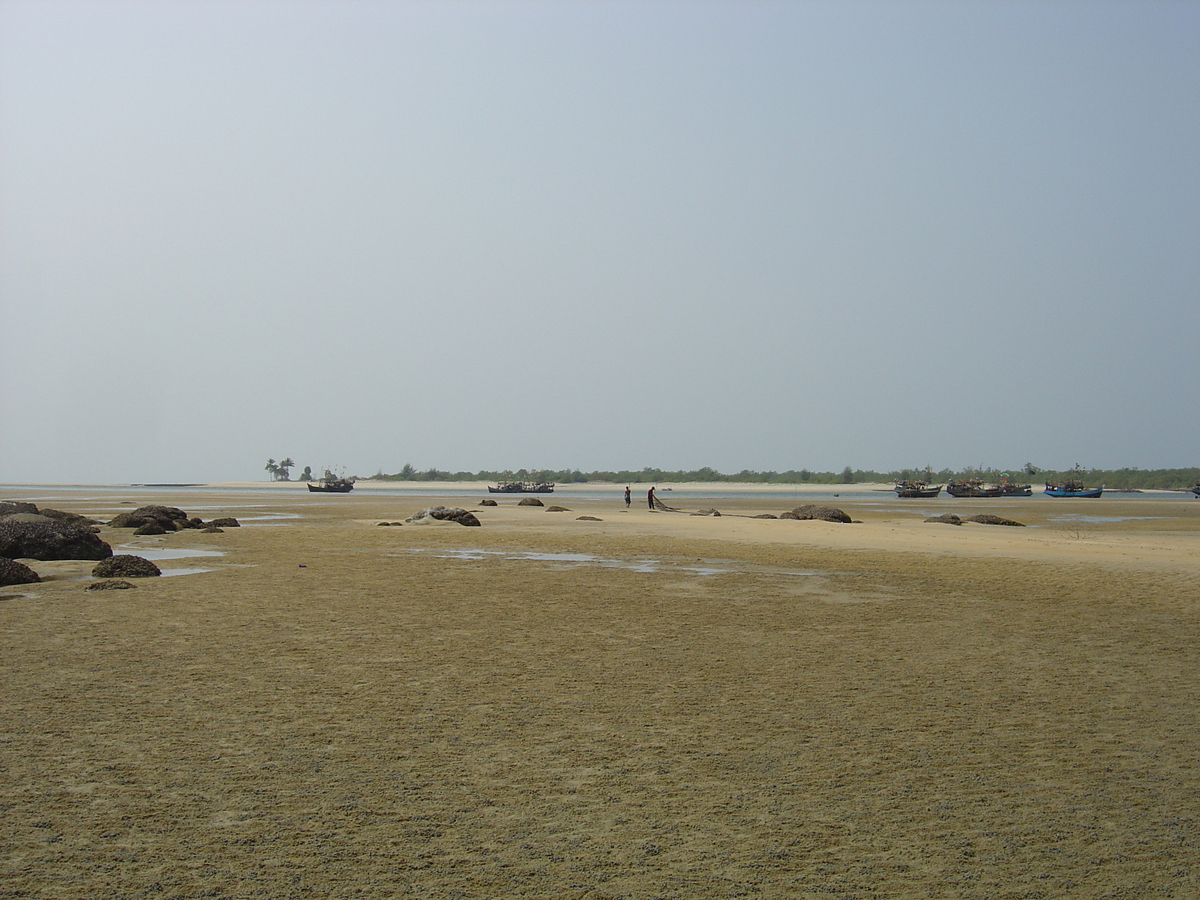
x: 331, y: 486
x: 1195, y: 489
x: 1072, y: 487
x: 916, y: 490
x: 522, y: 487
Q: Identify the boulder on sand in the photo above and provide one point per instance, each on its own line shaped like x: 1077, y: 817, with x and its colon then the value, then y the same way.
x: 986, y: 519
x: 171, y: 518
x: 444, y: 514
x: 124, y: 565
x: 946, y: 518
x: 150, y: 527
x: 112, y: 584
x: 488, y: 502
x: 16, y: 507
x: 13, y: 572
x: 824, y: 513
x: 530, y: 501
x: 41, y: 538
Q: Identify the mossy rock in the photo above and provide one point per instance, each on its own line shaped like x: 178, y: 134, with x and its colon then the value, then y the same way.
x: 125, y: 565
x: 13, y: 572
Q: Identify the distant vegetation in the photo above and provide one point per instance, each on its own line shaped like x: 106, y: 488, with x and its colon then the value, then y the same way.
x: 280, y: 470
x: 1114, y: 479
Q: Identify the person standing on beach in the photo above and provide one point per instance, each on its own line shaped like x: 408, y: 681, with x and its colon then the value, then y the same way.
x: 650, y: 498
x: 627, y: 498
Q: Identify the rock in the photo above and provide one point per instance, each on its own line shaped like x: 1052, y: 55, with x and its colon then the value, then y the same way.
x: 946, y: 518
x: 488, y: 502
x: 824, y: 513
x: 445, y: 514
x: 8, y: 507
x: 530, y: 501
x: 706, y: 512
x: 110, y: 585
x: 69, y: 517
x: 150, y: 527
x: 27, y: 517
x: 46, y: 539
x: 986, y: 519
x: 557, y: 509
x: 226, y: 522
x: 765, y: 516
x: 13, y: 572
x: 194, y: 522
x: 587, y: 519
x: 126, y: 520
x: 384, y: 524
x: 125, y: 566
x: 171, y: 518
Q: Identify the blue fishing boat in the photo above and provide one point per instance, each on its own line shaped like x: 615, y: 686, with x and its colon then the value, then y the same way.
x: 1072, y: 487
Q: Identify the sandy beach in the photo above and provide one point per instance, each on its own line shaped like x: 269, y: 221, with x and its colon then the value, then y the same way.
x: 651, y: 705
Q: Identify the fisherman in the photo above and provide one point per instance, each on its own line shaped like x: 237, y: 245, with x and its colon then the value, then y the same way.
x: 627, y: 496
x: 650, y: 498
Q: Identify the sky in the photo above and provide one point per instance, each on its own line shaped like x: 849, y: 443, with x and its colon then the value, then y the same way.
x: 596, y: 235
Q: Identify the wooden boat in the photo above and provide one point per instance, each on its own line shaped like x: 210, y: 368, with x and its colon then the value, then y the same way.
x: 331, y: 486
x: 975, y: 489
x: 1072, y: 487
x: 522, y: 487
x: 916, y: 490
x: 1195, y: 488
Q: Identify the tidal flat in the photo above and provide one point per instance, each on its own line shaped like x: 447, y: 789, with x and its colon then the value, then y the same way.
x: 652, y: 705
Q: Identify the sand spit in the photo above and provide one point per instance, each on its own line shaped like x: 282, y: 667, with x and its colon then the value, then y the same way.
x: 778, y: 708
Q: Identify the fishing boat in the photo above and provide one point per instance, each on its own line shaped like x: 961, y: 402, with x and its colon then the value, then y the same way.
x: 522, y: 487
x: 1072, y: 487
x: 916, y: 490
x: 975, y: 489
x: 331, y: 486
x: 1195, y: 488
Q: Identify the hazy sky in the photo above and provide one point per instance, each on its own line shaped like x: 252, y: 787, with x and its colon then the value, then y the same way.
x: 772, y: 235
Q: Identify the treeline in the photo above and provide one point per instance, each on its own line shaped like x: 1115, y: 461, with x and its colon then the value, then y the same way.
x: 1115, y: 479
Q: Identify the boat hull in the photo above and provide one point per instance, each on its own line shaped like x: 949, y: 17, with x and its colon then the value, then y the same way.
x: 977, y: 492
x: 341, y: 487
x: 918, y: 493
x: 522, y: 488
x: 1063, y: 492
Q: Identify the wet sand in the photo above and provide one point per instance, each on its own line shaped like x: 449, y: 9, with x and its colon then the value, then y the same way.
x: 652, y: 705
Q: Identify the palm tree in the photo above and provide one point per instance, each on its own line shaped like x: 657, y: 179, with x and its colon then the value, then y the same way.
x: 273, y: 468
x: 284, y: 465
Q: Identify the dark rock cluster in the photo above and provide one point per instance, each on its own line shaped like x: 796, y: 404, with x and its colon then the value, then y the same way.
x: 31, y: 536
x: 125, y: 566
x: 8, y: 507
x: 985, y: 519
x: 13, y: 572
x: 169, y: 518
x: 112, y: 584
x: 824, y: 513
x: 946, y: 519
x: 445, y: 514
